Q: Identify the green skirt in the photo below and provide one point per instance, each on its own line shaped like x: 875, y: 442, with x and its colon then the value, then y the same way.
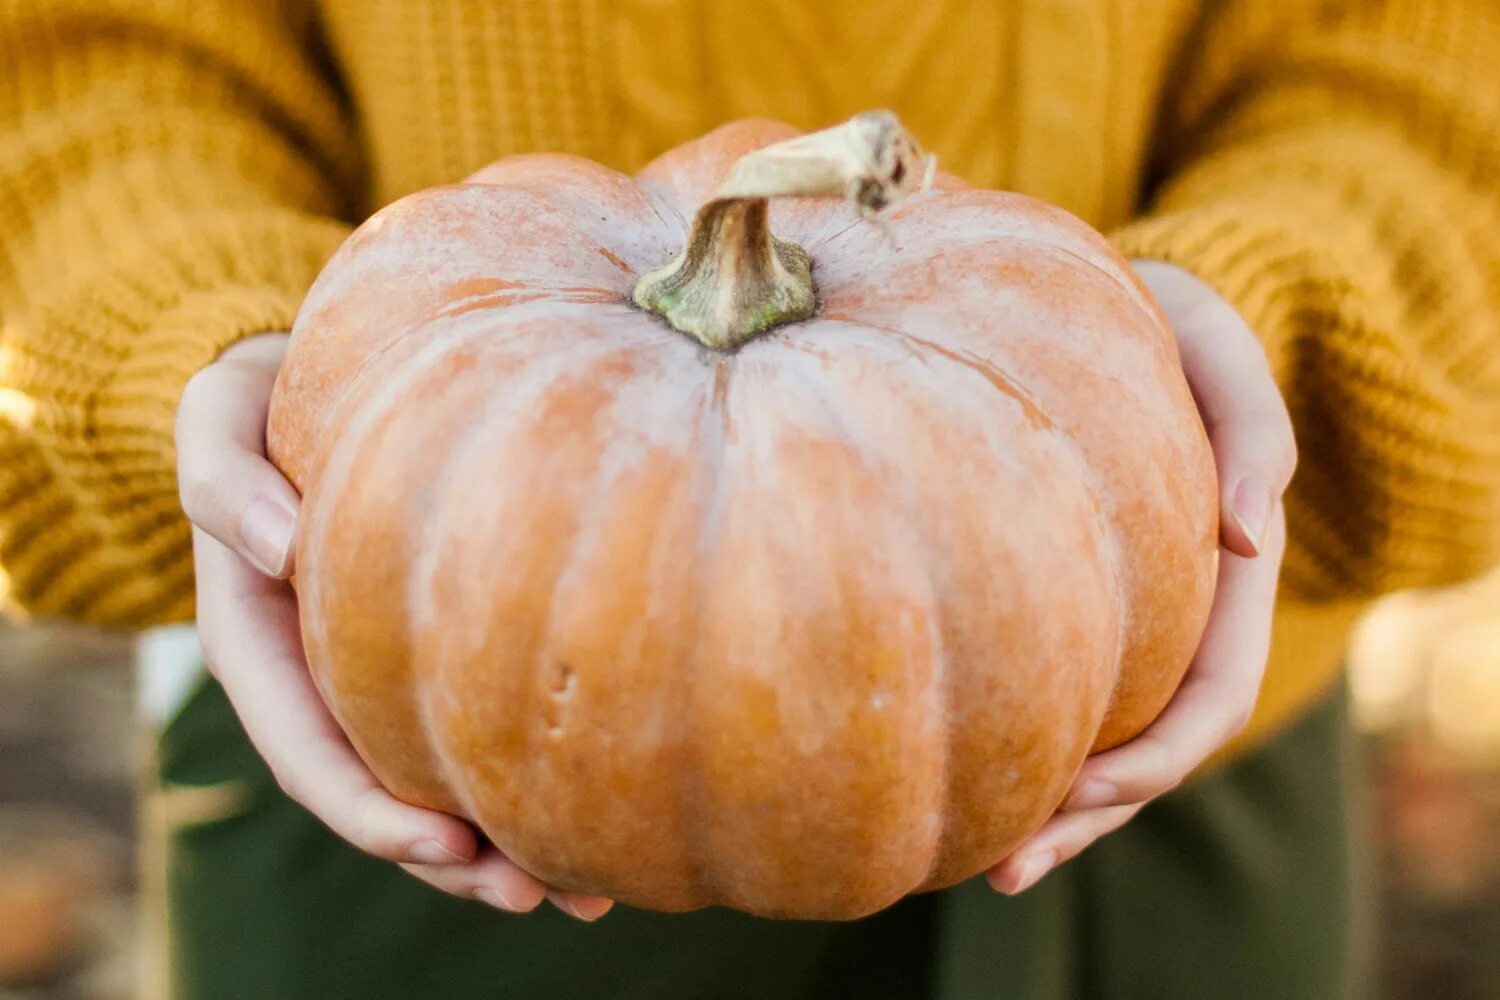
x: 1244, y: 883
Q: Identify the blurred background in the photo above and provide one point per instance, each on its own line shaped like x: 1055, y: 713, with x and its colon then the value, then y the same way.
x: 1424, y: 669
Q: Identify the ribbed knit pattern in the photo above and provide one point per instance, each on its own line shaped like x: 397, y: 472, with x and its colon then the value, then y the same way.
x: 173, y: 173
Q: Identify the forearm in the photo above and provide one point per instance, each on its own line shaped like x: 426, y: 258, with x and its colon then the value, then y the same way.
x: 1345, y: 205
x: 171, y: 178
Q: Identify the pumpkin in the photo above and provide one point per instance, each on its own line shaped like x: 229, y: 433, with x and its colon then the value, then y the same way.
x: 704, y: 543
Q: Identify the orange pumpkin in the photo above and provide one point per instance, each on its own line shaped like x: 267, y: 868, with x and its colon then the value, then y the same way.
x: 815, y: 592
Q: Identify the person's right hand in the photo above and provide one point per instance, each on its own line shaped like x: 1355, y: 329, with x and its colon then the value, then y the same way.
x: 244, y: 516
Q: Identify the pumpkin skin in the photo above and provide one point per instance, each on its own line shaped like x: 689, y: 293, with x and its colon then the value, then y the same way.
x: 797, y: 629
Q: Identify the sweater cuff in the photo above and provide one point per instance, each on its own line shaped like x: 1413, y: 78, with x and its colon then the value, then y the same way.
x: 93, y: 530
x: 142, y: 394
x: 1257, y: 267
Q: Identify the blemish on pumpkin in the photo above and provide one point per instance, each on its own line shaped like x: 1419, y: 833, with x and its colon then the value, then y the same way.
x: 580, y: 295
x: 615, y: 260
x: 990, y: 372
x: 561, y: 684
x: 489, y: 301
x: 721, y: 400
x: 473, y: 287
x: 584, y: 294
x: 564, y: 680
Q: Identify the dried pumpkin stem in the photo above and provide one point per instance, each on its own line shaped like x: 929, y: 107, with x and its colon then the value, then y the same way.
x: 734, y: 278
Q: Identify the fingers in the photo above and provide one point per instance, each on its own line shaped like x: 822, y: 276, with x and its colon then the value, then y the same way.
x: 244, y: 516
x: 1255, y: 456
x: 1063, y: 838
x: 1255, y: 451
x: 581, y: 905
x: 248, y: 625
x: 490, y: 878
x: 227, y: 486
x: 1215, y: 699
x: 496, y: 881
x: 1212, y: 705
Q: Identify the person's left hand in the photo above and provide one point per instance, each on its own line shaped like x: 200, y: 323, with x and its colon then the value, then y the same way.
x: 1255, y: 453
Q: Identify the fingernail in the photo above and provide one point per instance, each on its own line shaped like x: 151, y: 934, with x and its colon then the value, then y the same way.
x: 1092, y: 793
x: 571, y: 908
x: 1251, y: 510
x: 268, y: 528
x: 1033, y: 870
x: 494, y: 897
x: 430, y: 852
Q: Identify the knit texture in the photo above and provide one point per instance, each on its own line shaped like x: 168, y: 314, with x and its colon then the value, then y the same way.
x: 174, y: 172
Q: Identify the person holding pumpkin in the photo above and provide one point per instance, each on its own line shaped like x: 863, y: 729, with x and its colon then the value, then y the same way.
x: 1306, y: 189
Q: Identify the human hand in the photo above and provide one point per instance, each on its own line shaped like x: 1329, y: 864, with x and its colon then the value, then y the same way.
x: 1255, y: 455
x: 244, y: 522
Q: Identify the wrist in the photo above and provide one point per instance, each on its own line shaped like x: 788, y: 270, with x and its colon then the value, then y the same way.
x: 258, y: 347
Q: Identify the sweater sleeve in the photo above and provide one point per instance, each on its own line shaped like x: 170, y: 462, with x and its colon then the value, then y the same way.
x: 1333, y: 169
x: 172, y: 173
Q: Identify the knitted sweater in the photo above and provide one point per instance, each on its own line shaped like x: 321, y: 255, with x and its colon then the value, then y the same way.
x: 174, y: 172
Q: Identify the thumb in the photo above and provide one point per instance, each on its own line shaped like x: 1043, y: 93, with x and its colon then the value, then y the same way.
x: 1255, y: 451
x: 227, y: 487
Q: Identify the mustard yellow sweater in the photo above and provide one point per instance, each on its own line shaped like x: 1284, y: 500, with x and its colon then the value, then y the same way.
x: 174, y: 172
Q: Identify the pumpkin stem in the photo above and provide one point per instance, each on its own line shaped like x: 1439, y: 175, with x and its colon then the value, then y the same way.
x: 734, y: 278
